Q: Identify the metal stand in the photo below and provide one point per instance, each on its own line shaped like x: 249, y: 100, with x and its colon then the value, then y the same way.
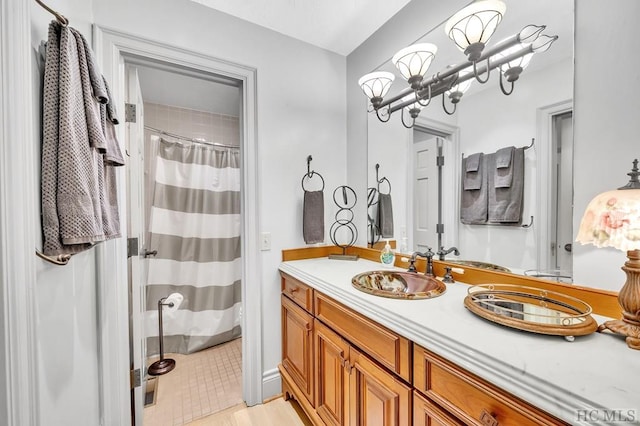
x: 162, y: 366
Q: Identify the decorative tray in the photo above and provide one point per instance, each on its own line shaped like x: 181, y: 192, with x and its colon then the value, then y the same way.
x: 531, y: 309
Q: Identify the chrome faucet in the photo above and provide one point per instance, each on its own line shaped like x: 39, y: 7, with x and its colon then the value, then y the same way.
x: 442, y: 252
x: 427, y: 255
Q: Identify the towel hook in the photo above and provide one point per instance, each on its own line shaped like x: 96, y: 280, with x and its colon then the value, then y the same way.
x: 379, y: 181
x: 531, y: 145
x: 311, y: 173
x: 64, y: 21
x: 529, y: 225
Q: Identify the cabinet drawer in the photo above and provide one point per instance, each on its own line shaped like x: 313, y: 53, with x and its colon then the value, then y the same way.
x: 426, y: 413
x: 300, y: 293
x: 471, y: 399
x: 385, y: 346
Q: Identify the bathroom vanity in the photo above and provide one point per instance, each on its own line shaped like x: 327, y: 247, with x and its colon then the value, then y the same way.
x: 352, y: 358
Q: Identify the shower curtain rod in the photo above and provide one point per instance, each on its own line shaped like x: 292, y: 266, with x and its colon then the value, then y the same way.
x: 173, y: 135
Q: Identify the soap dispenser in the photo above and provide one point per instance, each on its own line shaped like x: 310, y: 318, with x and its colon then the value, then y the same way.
x: 387, y: 256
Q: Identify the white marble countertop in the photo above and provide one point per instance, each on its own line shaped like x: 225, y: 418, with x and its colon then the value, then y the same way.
x: 594, y: 380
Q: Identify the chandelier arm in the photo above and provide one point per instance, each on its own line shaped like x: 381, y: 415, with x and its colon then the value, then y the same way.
x: 502, y: 86
x: 429, y: 98
x: 380, y: 118
x: 403, y: 122
x: 444, y: 106
x: 475, y: 72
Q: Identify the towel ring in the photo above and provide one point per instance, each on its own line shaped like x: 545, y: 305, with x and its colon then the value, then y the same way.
x: 309, y: 176
x: 345, y: 197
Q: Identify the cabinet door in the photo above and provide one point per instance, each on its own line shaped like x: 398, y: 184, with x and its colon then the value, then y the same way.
x: 376, y: 397
x: 426, y: 413
x: 332, y: 353
x: 297, y: 346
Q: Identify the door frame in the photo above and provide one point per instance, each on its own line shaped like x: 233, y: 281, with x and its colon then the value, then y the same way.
x: 112, y: 47
x: 544, y: 206
x: 19, y: 221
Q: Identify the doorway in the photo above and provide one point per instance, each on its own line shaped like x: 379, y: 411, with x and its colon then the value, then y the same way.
x: 114, y: 48
x: 562, y: 202
x: 184, y: 210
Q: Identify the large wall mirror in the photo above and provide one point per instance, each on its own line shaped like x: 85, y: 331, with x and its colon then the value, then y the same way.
x: 402, y: 162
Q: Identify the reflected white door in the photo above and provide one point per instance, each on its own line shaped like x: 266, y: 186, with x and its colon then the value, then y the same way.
x: 563, y: 129
x: 425, y: 191
x: 135, y: 229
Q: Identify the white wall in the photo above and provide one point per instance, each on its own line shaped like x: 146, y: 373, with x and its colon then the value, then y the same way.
x: 301, y: 111
x: 607, y: 128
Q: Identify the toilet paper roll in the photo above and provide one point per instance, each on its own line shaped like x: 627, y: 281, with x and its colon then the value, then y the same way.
x: 176, y: 299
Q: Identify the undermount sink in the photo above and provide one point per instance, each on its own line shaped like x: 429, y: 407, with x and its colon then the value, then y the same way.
x: 398, y: 284
x: 481, y: 265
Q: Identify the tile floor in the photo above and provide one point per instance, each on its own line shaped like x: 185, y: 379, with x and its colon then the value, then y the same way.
x: 202, y: 383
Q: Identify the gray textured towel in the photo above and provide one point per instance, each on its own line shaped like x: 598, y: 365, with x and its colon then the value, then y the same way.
x: 503, y: 172
x: 505, y: 204
x: 473, y: 202
x: 78, y: 190
x: 473, y: 171
x: 313, y: 217
x: 384, y: 219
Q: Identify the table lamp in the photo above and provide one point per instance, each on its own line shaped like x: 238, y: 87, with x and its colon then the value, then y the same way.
x: 612, y: 219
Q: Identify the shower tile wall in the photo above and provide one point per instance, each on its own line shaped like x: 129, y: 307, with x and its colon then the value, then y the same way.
x: 211, y: 127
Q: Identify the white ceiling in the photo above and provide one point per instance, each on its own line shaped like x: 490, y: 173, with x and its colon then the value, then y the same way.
x: 336, y: 25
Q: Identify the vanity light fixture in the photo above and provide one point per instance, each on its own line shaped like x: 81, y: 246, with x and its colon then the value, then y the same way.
x: 612, y: 219
x: 470, y: 29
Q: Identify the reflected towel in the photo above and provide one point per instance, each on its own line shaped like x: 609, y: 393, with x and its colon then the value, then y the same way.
x: 503, y: 170
x: 473, y: 202
x: 385, y: 216
x: 313, y: 217
x: 472, y: 171
x: 505, y: 204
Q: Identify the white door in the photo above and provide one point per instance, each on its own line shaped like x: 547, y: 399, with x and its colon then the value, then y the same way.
x: 425, y: 191
x: 136, y: 229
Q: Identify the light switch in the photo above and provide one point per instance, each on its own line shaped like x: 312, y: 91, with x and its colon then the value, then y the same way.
x: 265, y: 241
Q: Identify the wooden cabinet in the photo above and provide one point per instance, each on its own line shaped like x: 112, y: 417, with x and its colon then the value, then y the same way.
x: 332, y: 378
x: 352, y: 389
x: 469, y: 398
x: 346, y: 369
x: 297, y: 346
x: 426, y: 413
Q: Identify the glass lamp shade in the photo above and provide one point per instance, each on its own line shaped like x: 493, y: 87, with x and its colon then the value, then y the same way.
x: 612, y: 219
x: 475, y: 23
x: 518, y: 64
x: 414, y: 61
x: 376, y: 84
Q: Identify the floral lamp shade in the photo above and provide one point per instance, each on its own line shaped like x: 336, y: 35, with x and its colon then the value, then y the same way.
x: 612, y: 219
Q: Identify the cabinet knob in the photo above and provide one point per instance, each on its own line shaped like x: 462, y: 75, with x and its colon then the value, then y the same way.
x: 488, y: 419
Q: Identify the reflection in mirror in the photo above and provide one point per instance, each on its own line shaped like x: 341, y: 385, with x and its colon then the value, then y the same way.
x: 485, y: 121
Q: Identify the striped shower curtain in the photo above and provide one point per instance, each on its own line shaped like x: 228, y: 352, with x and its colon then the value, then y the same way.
x: 195, y: 228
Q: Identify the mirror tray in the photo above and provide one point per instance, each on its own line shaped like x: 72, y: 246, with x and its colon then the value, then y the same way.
x: 531, y: 309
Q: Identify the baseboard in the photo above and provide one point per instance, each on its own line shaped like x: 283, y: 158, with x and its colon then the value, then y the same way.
x: 271, y: 384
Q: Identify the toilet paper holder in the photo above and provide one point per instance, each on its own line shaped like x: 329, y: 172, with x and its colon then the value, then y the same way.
x: 164, y: 365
